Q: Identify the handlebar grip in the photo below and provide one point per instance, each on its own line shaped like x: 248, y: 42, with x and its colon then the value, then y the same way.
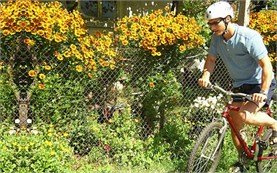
x: 247, y: 97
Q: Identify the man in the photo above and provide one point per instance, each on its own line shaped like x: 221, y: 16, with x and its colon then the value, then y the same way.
x: 245, y: 57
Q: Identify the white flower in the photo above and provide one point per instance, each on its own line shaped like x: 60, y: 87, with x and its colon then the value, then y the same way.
x: 196, y: 105
x: 209, y: 103
x: 34, y: 131
x: 29, y: 121
x: 17, y: 121
x: 12, y: 131
x: 118, y: 86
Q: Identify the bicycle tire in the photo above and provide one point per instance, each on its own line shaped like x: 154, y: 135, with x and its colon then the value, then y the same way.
x: 207, y: 140
x: 267, y: 166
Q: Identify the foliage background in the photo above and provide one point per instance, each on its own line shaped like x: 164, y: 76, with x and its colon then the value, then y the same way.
x: 106, y: 102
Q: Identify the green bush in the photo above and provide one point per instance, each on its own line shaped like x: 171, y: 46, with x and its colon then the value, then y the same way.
x: 62, y: 102
x: 7, y: 99
x: 82, y: 140
x: 23, y: 152
x: 175, y: 136
x: 119, y: 142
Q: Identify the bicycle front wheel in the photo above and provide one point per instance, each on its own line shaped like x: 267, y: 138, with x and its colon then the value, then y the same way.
x: 207, y: 150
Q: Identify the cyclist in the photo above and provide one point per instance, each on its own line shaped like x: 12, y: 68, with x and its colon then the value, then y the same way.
x: 245, y: 56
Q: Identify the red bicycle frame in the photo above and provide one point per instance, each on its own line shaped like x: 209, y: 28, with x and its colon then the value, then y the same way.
x: 250, y: 152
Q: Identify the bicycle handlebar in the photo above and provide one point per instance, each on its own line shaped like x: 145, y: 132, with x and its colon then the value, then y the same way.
x: 229, y: 93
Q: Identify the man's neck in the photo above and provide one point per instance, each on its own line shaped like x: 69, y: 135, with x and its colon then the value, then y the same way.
x: 230, y: 32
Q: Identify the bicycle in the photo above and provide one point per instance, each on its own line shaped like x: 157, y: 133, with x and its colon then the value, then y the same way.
x: 206, y: 153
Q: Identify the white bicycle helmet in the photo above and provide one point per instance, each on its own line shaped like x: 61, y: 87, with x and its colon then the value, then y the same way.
x: 219, y: 10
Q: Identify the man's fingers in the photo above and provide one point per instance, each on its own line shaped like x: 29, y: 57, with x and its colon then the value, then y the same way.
x: 257, y: 97
x: 203, y: 83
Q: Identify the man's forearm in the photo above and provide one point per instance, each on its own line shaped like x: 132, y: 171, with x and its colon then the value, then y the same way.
x: 266, y: 80
x: 267, y: 74
x: 208, y: 67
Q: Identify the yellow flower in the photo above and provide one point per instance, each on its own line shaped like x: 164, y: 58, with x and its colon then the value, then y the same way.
x: 73, y: 47
x: 32, y: 73
x: 182, y: 48
x: 29, y: 42
x: 41, y: 76
x: 79, y: 68
x: 6, y: 32
x: 41, y: 86
x: 58, y: 56
x: 51, y: 22
x: 22, y: 24
x: 48, y: 143
x: 67, y: 53
x: 125, y: 42
x: 40, y: 32
x: 112, y: 66
x: 47, y: 67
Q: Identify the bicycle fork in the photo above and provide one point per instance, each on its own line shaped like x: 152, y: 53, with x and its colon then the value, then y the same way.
x: 222, y: 132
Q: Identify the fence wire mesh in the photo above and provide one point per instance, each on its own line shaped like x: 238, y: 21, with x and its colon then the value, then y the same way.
x: 158, y: 95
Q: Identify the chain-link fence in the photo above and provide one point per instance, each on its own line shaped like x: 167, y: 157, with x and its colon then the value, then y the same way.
x: 144, y: 97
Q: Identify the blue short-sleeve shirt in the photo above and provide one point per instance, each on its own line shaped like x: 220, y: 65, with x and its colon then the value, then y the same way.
x: 240, y: 55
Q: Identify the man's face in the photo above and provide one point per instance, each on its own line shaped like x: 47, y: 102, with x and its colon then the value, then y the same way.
x: 217, y: 26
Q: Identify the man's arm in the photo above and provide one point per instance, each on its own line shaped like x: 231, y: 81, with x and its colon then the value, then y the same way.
x: 266, y: 74
x: 266, y: 79
x: 207, y: 71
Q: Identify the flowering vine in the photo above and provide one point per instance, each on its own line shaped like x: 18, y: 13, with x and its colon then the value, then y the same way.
x: 265, y: 23
x: 54, y: 36
x: 158, y: 30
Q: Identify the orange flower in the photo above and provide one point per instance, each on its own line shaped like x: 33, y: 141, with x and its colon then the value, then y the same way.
x: 29, y: 42
x: 41, y: 86
x: 151, y: 84
x: 32, y: 73
x: 22, y: 24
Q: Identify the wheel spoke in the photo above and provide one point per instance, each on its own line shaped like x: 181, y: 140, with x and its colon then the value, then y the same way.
x: 206, y: 153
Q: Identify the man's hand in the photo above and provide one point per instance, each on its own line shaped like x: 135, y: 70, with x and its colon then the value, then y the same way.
x: 204, y: 82
x: 259, y: 97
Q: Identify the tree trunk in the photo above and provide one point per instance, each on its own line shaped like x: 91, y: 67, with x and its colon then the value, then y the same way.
x: 244, y: 10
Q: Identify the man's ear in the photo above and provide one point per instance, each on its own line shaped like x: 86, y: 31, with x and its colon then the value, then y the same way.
x: 228, y: 19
